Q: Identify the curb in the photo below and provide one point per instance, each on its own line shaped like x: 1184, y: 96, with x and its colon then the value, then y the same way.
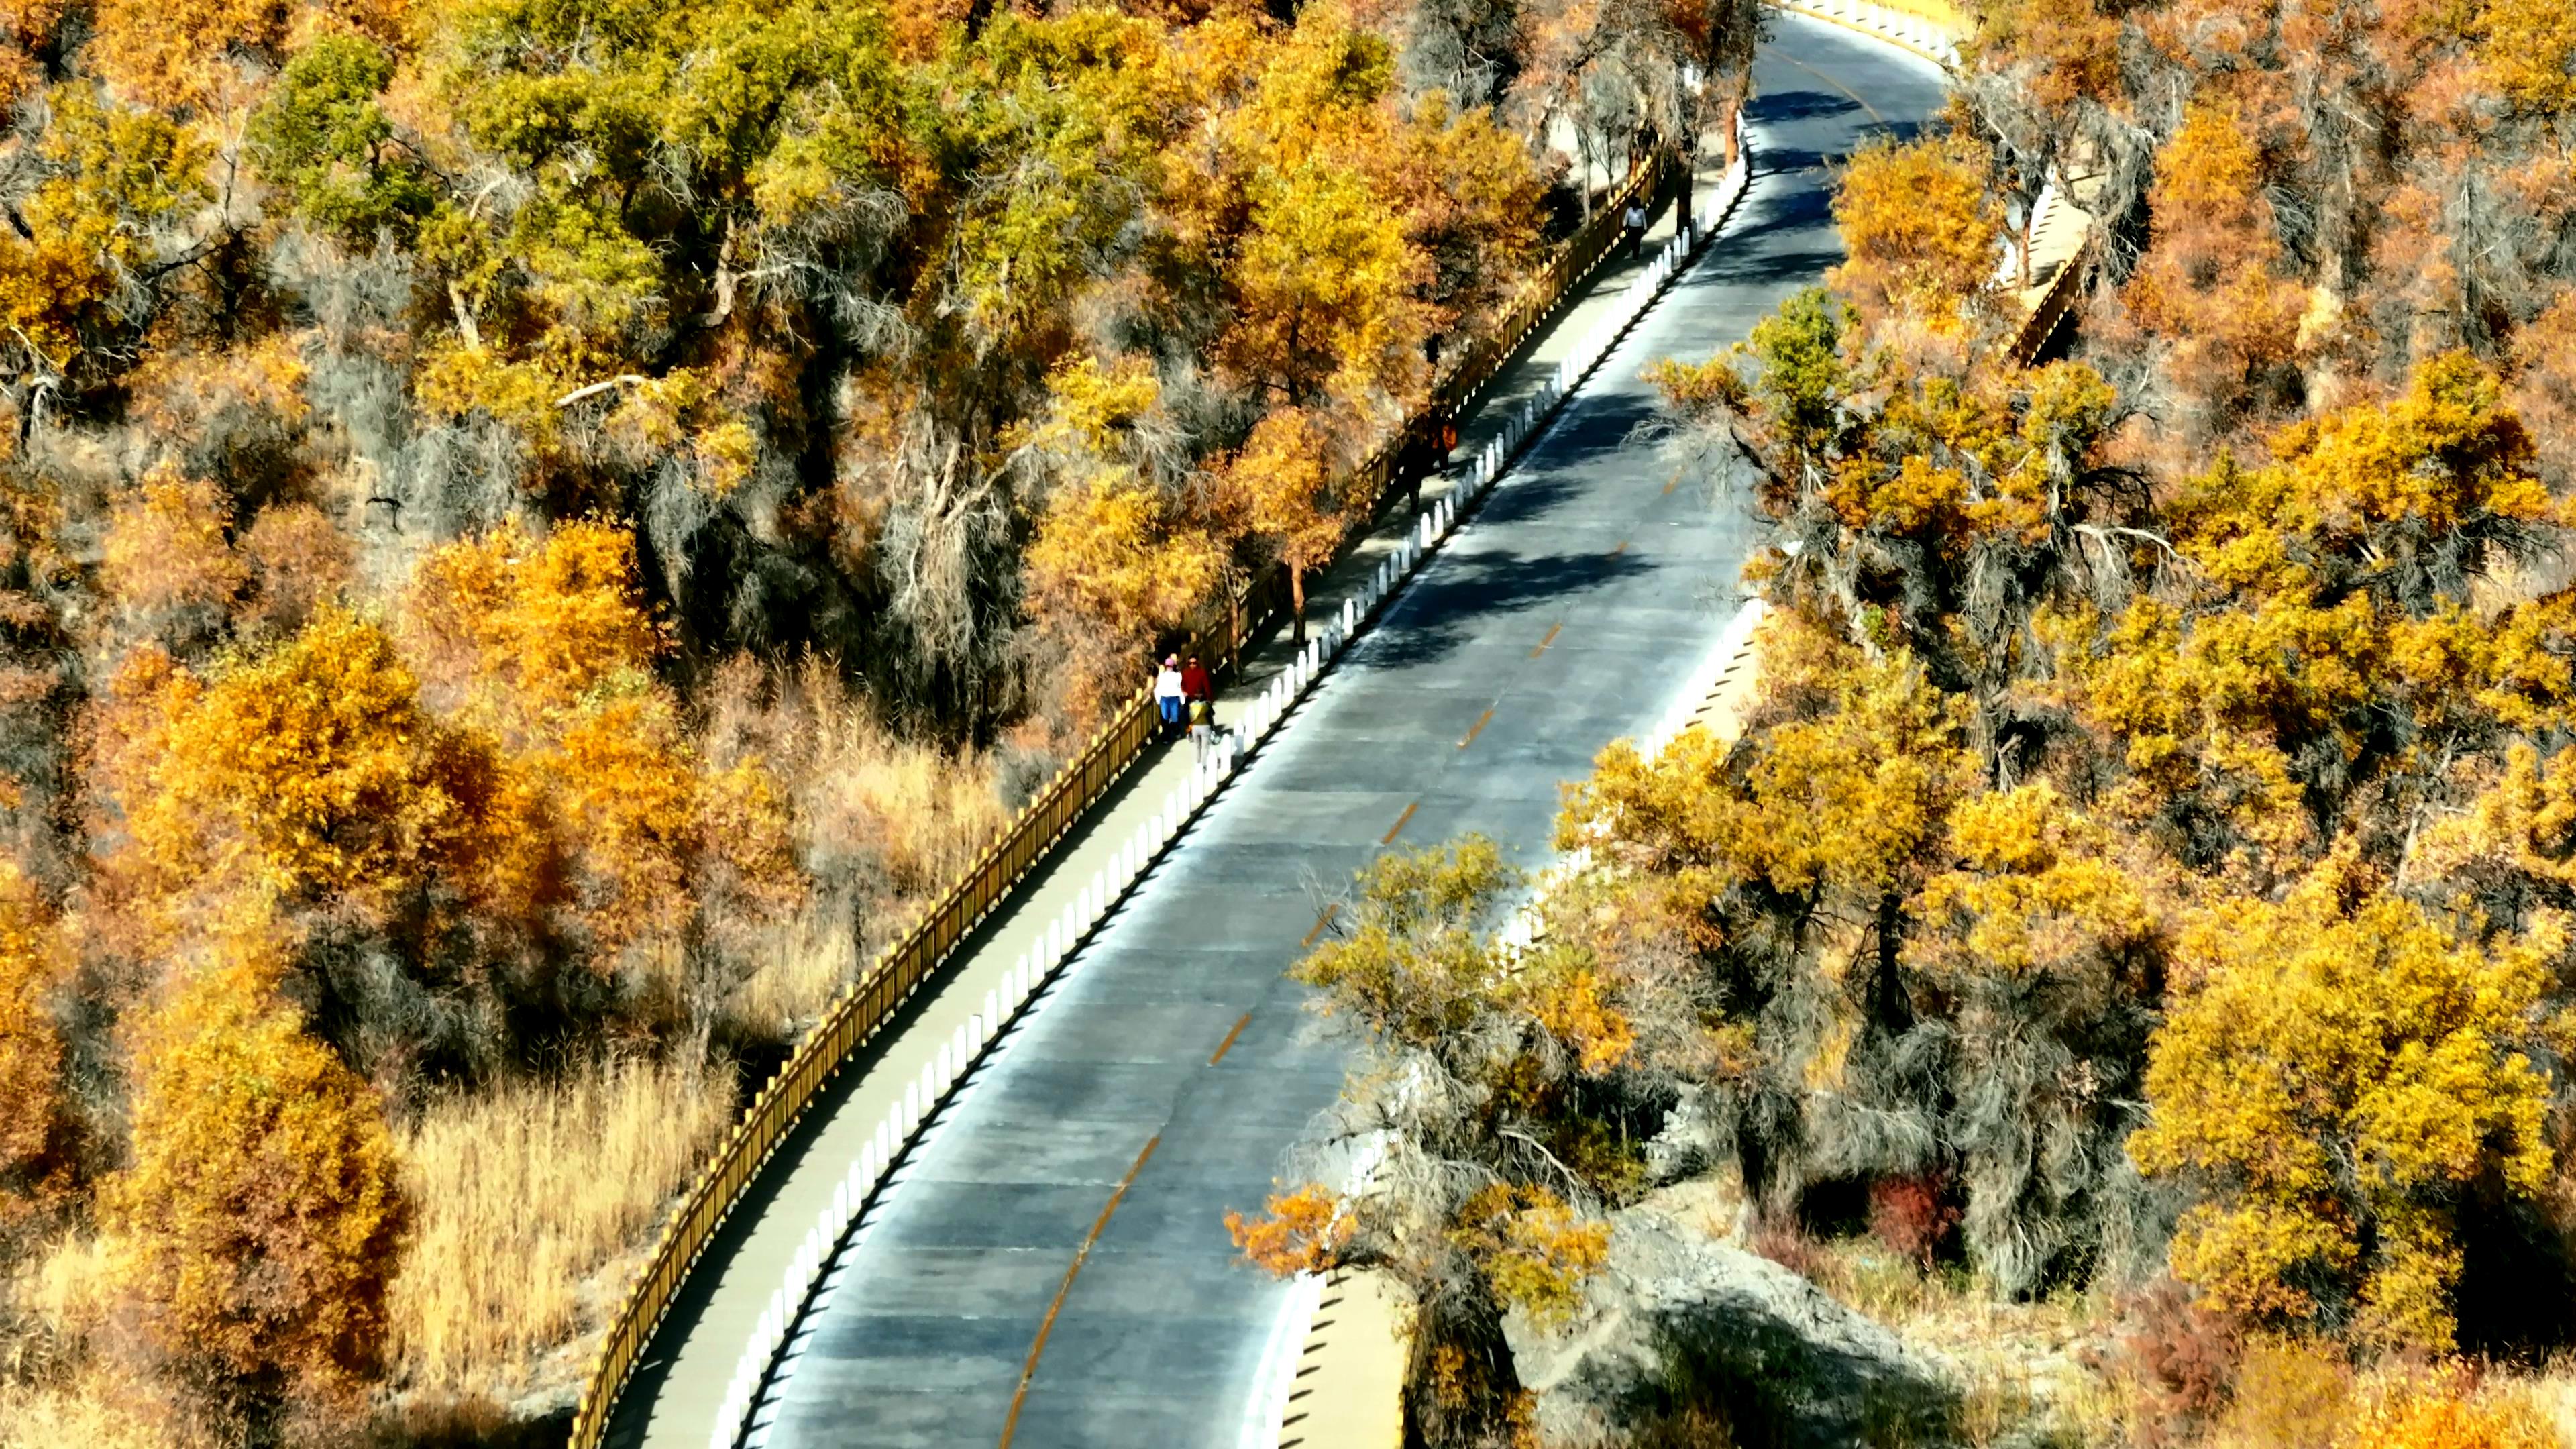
x: 1878, y: 22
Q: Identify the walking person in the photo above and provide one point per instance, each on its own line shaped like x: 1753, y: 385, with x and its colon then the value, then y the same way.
x: 1202, y: 730
x: 1196, y: 683
x: 1167, y: 694
x: 1634, y: 222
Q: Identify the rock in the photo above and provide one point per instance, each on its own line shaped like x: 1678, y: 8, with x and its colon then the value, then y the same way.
x: 1680, y: 1324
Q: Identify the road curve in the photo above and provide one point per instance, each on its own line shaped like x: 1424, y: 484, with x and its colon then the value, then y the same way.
x: 1050, y: 1269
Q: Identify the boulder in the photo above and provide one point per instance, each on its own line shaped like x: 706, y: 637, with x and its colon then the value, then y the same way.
x: 1682, y: 1327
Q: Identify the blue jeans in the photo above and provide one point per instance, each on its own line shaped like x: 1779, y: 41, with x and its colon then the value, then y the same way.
x: 1171, y: 704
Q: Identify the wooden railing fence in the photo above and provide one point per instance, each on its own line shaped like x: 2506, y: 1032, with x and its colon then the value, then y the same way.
x: 2031, y: 338
x: 866, y: 1004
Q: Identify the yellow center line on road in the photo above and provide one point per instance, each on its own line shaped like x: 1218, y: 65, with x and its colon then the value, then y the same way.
x: 1332, y: 910
x: 1838, y: 85
x: 1227, y: 1045
x: 1552, y: 631
x: 1046, y: 1325
x: 1397, y: 828
x: 1481, y: 721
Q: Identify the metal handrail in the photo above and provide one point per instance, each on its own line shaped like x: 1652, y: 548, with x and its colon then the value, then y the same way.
x: 866, y: 1004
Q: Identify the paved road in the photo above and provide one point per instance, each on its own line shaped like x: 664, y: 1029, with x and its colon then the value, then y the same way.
x: 1161, y: 1082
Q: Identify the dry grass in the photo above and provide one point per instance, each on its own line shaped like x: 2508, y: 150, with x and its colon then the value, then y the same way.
x: 799, y: 964
x: 525, y: 1195
x: 61, y: 1381
x: 96, y: 1408
x: 885, y: 825
x: 891, y: 819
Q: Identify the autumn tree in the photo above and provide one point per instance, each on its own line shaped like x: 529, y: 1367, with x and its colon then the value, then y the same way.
x: 517, y: 630
x: 1919, y: 230
x: 1301, y: 501
x: 82, y: 270
x: 2249, y: 704
x: 2037, y: 962
x: 1761, y: 861
x: 1109, y: 558
x: 1917, y: 507
x: 1120, y: 556
x: 2337, y: 1077
x: 1325, y: 282
x: 32, y: 971
x: 548, y: 643
x: 169, y: 559
x: 260, y: 1216
x: 2212, y: 280
x: 308, y: 774
x: 1486, y: 1197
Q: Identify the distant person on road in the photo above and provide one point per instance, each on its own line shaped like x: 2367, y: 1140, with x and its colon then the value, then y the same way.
x: 1635, y: 223
x: 1167, y: 693
x: 1196, y: 683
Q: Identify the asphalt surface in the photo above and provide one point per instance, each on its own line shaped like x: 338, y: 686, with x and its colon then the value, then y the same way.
x: 1164, y: 1078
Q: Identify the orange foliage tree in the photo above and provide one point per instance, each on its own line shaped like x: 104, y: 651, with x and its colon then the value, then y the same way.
x: 309, y: 773
x: 32, y: 964
x: 2212, y: 278
x: 1301, y: 505
x: 549, y: 643
x: 260, y: 1219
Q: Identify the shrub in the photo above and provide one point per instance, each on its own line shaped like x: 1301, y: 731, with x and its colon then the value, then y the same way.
x: 1913, y: 1216
x: 2182, y: 1357
x: 2443, y: 1408
x: 1788, y: 1246
x: 2289, y: 1394
x: 260, y: 1209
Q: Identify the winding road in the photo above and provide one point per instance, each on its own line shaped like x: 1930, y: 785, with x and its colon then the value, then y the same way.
x: 1050, y: 1268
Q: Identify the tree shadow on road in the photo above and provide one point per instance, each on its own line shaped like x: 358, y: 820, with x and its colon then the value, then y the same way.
x: 1464, y: 595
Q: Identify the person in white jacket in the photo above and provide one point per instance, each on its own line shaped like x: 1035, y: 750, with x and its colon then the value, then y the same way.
x: 1167, y: 693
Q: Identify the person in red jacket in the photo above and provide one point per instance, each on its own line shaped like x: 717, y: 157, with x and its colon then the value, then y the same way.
x: 1196, y: 683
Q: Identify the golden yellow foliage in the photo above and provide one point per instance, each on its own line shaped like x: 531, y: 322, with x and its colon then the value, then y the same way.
x: 309, y: 772
x: 1536, y: 1250
x: 2341, y: 1026
x: 1920, y: 228
x: 1299, y: 501
x: 115, y: 178
x: 2038, y: 898
x: 1846, y: 799
x: 517, y: 629
x: 1302, y: 1231
x: 260, y: 1214
x: 1111, y: 568
x: 169, y: 546
x: 32, y: 965
x: 2442, y: 1408
x: 1574, y: 1006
